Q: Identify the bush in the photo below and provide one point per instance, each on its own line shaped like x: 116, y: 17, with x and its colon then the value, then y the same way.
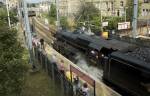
x: 52, y: 14
x: 113, y: 22
x: 13, y: 16
x: 64, y: 23
x: 12, y: 61
x: 90, y: 15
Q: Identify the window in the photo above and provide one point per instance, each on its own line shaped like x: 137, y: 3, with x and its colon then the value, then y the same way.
x: 146, y: 1
x: 107, y: 4
x: 121, y: 3
x: 143, y: 13
x: 118, y: 12
x: 112, y: 5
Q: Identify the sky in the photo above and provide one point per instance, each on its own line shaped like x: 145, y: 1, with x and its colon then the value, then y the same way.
x: 35, y: 1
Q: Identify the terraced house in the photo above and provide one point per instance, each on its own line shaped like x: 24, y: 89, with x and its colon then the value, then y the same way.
x: 107, y: 7
x: 145, y: 9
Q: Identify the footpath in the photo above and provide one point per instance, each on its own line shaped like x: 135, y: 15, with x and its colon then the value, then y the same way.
x: 39, y: 84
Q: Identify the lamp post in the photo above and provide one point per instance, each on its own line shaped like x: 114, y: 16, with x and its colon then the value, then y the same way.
x: 7, y: 8
x: 27, y: 30
x: 135, y: 15
x: 57, y: 9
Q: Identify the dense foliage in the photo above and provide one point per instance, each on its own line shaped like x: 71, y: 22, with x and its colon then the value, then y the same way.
x: 52, y: 14
x: 89, y: 15
x: 64, y: 23
x: 12, y: 61
x: 113, y: 22
x: 4, y: 17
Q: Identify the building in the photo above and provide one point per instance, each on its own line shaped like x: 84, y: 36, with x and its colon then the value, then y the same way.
x: 106, y: 7
x: 11, y: 3
x: 120, y: 7
x: 44, y: 6
x: 2, y: 1
x: 145, y: 9
x: 63, y: 7
x: 69, y: 7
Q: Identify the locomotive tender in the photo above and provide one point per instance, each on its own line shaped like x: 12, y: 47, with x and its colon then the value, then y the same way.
x: 120, y: 67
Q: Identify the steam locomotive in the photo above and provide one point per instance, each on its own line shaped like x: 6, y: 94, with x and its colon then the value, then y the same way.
x: 120, y: 63
x: 93, y: 46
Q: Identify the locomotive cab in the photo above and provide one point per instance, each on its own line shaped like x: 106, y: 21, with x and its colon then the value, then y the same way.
x: 128, y: 73
x: 98, y: 53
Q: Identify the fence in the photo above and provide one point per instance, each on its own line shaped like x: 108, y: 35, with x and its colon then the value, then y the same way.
x: 59, y: 79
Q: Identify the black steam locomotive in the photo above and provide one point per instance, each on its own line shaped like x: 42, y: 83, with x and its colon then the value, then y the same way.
x: 122, y: 69
x: 95, y: 48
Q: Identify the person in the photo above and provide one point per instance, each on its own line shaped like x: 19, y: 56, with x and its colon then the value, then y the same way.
x: 85, y: 90
x: 42, y: 43
x: 76, y: 85
x: 35, y: 42
x: 53, y: 58
x: 61, y: 67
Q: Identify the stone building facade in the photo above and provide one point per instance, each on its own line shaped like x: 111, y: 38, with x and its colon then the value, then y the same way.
x: 145, y: 9
x: 11, y: 3
x: 106, y: 7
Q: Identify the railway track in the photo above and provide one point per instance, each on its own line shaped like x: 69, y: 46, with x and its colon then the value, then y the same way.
x: 43, y: 31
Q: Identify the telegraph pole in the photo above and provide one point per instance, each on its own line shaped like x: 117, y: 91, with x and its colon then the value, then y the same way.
x: 27, y: 29
x: 135, y: 15
x: 100, y: 8
x: 49, y: 7
x: 57, y: 9
x: 125, y: 14
x: 7, y: 7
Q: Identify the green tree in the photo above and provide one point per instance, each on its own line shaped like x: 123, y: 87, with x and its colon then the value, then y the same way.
x: 12, y: 61
x: 13, y: 16
x: 96, y: 23
x: 52, y: 14
x: 89, y: 14
x: 113, y: 22
x: 64, y: 23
